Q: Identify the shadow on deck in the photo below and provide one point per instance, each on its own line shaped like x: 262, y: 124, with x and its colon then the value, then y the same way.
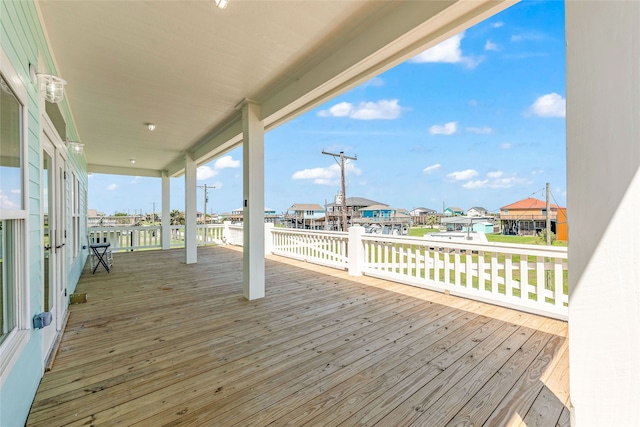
x: 163, y: 343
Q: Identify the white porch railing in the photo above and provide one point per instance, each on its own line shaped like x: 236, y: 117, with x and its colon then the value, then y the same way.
x: 525, y: 277
x: 150, y: 237
x: 319, y: 247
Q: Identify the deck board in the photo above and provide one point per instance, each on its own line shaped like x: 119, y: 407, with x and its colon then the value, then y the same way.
x: 159, y: 342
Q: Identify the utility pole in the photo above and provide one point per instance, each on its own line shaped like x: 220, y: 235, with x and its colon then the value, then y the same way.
x: 548, y: 229
x: 206, y: 198
x: 548, y: 216
x: 344, y: 191
x: 153, y: 212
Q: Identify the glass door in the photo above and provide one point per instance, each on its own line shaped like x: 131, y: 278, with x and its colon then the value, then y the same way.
x: 54, y: 269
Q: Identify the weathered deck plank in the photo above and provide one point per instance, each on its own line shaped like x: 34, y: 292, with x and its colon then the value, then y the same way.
x: 164, y: 343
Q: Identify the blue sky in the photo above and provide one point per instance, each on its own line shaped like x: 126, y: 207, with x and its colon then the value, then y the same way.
x: 478, y: 120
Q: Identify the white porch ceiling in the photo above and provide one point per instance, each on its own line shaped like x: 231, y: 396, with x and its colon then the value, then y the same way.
x: 185, y: 65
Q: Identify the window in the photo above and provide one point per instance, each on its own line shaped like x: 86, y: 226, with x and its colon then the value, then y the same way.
x: 11, y: 186
x: 75, y: 216
x: 14, y: 320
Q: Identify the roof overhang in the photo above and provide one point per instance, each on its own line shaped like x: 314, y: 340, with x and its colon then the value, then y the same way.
x: 187, y: 65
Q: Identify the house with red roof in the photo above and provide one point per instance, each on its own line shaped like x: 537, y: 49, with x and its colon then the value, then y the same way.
x: 528, y: 217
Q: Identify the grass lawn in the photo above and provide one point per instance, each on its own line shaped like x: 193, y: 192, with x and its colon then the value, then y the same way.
x: 421, y: 231
x: 525, y: 240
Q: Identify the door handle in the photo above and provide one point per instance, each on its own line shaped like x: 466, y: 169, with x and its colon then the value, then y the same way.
x: 47, y: 247
x: 58, y: 247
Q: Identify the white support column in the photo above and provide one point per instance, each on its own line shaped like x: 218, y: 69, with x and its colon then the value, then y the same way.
x: 603, y: 185
x: 166, y: 211
x: 190, y: 244
x: 253, y: 218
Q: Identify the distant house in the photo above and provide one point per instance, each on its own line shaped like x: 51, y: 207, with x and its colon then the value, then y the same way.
x: 309, y: 216
x: 378, y: 211
x: 453, y: 211
x: 237, y: 215
x: 528, y: 217
x: 353, y: 206
x: 420, y: 216
x: 477, y: 211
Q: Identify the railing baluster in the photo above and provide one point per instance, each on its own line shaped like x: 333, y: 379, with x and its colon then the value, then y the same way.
x: 540, y: 280
x: 508, y: 275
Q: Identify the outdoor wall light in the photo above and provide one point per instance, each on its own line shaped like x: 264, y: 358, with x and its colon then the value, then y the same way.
x: 151, y: 126
x: 52, y: 86
x: 221, y: 3
x: 75, y: 147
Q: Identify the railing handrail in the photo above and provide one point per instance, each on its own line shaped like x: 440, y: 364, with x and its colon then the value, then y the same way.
x: 508, y: 248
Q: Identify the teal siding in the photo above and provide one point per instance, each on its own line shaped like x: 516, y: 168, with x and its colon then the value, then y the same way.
x: 17, y: 392
x: 24, y: 42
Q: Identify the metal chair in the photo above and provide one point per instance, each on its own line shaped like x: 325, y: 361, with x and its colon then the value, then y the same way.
x: 99, y: 254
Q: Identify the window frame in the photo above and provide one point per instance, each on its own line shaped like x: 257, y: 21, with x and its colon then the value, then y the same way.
x: 16, y: 340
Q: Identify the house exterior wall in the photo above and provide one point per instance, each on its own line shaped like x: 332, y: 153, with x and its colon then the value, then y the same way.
x: 23, y: 42
x: 603, y: 186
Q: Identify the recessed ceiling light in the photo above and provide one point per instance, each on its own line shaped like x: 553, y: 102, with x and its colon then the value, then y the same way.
x: 151, y: 126
x: 133, y: 161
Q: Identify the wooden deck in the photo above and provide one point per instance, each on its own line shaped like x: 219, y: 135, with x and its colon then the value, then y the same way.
x: 161, y: 343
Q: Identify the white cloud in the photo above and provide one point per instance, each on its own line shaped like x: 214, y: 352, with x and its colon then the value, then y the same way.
x: 471, y: 185
x: 463, y: 175
x: 16, y: 191
x: 342, y: 109
x: 506, y: 146
x: 432, y: 168
x: 6, y: 203
x: 484, y: 130
x: 449, y: 52
x: 112, y: 187
x: 489, y: 45
x: 225, y: 162
x: 446, y: 129
x: 494, y: 179
x: 549, y: 105
x: 497, y: 24
x: 205, y: 172
x: 374, y: 82
x: 385, y: 109
x: 327, y: 176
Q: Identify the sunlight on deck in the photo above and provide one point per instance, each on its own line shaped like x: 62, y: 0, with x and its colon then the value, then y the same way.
x: 159, y: 342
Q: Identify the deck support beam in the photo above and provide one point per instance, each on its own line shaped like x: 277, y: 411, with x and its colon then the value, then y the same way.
x: 166, y: 211
x: 190, y: 244
x: 603, y: 186
x: 253, y: 191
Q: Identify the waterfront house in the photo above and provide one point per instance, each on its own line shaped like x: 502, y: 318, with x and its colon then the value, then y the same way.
x: 477, y: 211
x: 157, y: 88
x: 309, y: 216
x: 453, y: 211
x: 527, y: 217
